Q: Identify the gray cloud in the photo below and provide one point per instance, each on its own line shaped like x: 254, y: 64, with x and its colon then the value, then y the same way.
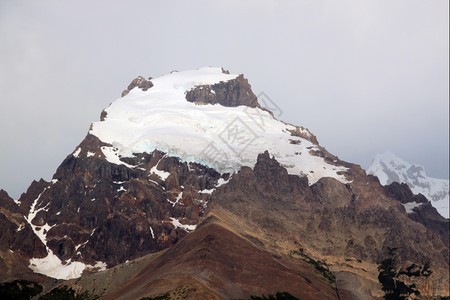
x: 364, y: 76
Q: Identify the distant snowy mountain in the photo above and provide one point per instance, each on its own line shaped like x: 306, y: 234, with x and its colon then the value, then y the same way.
x: 390, y: 168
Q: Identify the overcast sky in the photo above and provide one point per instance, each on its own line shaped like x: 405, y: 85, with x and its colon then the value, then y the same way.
x: 363, y: 76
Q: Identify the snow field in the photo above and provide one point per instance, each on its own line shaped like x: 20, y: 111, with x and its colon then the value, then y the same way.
x: 224, y: 138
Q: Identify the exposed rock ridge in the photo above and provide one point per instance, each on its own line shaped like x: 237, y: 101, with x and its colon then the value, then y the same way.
x: 303, y: 132
x: 231, y: 93
x: 402, y: 193
x: 100, y: 211
x: 358, y: 221
x: 18, y: 243
x: 422, y: 211
x: 16, y: 232
x: 139, y: 82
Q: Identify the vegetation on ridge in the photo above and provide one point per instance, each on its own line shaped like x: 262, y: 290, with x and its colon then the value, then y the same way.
x: 19, y: 289
x: 389, y: 277
x: 67, y: 293
x: 319, y: 265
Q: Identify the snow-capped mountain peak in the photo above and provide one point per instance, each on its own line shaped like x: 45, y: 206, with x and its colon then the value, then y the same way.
x: 390, y: 168
x: 224, y: 138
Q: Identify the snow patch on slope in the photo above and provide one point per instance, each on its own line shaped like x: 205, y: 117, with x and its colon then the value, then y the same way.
x: 223, y: 138
x: 222, y: 181
x: 151, y: 231
x: 178, y: 224
x: 51, y: 265
x: 77, y: 152
x: 390, y: 168
x: 410, y: 206
x: 162, y: 174
x: 111, y: 155
x: 177, y: 200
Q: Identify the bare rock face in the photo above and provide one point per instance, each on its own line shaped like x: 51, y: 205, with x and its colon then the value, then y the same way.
x: 302, y: 132
x: 349, y: 222
x: 423, y: 213
x: 232, y: 93
x: 7, y: 202
x: 139, y: 82
x: 402, y: 193
x: 18, y: 243
x: 332, y: 192
x: 16, y: 233
x: 33, y: 191
x: 100, y: 211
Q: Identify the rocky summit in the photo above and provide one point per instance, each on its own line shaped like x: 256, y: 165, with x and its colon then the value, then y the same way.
x: 187, y: 188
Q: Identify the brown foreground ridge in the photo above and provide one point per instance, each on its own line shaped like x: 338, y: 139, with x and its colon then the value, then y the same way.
x: 215, y: 263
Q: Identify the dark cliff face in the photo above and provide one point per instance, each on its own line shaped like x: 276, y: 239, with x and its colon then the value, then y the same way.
x: 16, y: 234
x: 402, y: 193
x: 101, y: 211
x: 139, y: 82
x: 232, y: 93
x: 424, y: 213
x: 7, y: 202
x: 354, y: 220
x: 18, y: 243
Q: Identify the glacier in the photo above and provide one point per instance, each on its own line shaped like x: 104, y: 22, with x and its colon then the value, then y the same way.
x: 223, y: 138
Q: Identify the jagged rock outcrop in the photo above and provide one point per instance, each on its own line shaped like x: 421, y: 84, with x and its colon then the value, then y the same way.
x: 303, y: 132
x: 139, y: 82
x: 344, y: 222
x: 402, y: 193
x: 18, y: 243
x: 420, y: 209
x: 16, y: 234
x: 231, y: 93
x: 99, y: 211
